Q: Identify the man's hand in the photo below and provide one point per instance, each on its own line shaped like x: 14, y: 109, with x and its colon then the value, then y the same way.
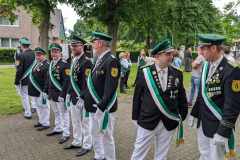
x: 219, y: 140
x: 60, y: 99
x: 45, y: 96
x: 135, y: 123
x: 191, y: 122
x: 98, y: 113
x: 80, y: 103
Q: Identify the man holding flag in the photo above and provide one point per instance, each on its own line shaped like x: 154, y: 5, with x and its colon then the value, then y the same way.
x: 36, y: 84
x: 25, y: 63
x: 56, y: 90
x: 79, y: 71
x: 217, y: 105
x: 100, y: 97
x: 159, y: 104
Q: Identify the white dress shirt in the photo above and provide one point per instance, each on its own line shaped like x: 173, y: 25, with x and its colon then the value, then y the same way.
x: 165, y: 76
x: 215, y: 64
x: 124, y: 63
x: 230, y: 58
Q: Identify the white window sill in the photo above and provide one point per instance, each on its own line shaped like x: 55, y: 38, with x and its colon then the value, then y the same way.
x: 9, y: 26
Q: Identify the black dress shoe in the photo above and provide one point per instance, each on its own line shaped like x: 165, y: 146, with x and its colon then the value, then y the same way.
x: 53, y: 133
x: 124, y: 92
x: 71, y: 147
x: 82, y: 152
x: 42, y: 128
x: 133, y: 85
x: 127, y: 87
x: 28, y: 117
x: 22, y: 109
x: 38, y: 125
x: 33, y: 110
x: 63, y: 139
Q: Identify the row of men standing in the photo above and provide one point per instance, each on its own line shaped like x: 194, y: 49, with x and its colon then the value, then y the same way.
x: 69, y: 86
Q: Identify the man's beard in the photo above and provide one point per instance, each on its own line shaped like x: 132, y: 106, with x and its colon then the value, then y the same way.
x: 95, y: 51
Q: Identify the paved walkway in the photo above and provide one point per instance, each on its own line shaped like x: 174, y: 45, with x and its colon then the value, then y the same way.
x: 6, y: 66
x: 20, y: 140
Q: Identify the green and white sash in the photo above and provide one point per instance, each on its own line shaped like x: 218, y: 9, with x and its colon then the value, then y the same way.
x: 230, y: 144
x: 25, y: 74
x: 103, y: 121
x: 58, y: 85
x: 41, y: 100
x: 84, y: 113
x: 161, y: 105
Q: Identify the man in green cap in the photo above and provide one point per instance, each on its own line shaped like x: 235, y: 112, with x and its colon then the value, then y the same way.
x: 80, y: 68
x: 159, y: 104
x: 56, y: 90
x: 100, y: 98
x: 25, y: 63
x: 38, y: 77
x: 217, y: 105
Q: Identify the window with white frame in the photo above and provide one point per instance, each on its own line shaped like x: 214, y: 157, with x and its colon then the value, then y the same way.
x: 9, y: 42
x: 5, y: 22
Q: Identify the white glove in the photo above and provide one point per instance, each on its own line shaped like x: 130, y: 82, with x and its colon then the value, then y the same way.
x: 17, y: 87
x: 98, y: 113
x: 80, y: 103
x: 219, y: 140
x: 45, y: 96
x: 191, y: 122
x: 60, y: 99
x: 135, y: 123
x: 68, y: 97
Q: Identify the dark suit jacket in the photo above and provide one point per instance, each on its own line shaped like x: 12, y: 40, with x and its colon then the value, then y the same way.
x: 25, y: 60
x: 228, y: 101
x: 145, y: 110
x: 61, y: 73
x: 40, y: 76
x: 82, y: 69
x: 105, y: 83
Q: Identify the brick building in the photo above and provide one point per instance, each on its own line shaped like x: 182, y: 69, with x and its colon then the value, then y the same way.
x: 10, y: 34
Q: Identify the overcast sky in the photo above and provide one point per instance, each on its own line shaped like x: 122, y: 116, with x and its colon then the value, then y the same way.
x: 72, y: 17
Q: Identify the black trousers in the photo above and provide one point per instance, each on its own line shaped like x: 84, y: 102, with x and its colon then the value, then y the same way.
x: 122, y: 81
x: 126, y: 79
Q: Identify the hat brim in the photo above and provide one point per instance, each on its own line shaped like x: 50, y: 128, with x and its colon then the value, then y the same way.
x: 200, y: 46
x: 170, y: 50
x: 55, y: 48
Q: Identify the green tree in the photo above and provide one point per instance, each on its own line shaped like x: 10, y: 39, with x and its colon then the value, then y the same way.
x: 40, y: 13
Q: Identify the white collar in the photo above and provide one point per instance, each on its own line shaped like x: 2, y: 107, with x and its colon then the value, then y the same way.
x: 26, y: 49
x: 103, y: 54
x: 55, y: 61
x: 78, y: 57
x: 158, y: 69
x: 42, y: 60
x: 217, y: 62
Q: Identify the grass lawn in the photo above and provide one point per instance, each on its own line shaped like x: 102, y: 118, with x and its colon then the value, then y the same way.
x: 10, y: 102
x: 6, y: 63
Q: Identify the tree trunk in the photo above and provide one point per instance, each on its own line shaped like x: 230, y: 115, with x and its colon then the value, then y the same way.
x: 112, y: 29
x: 148, y: 42
x: 186, y: 47
x: 43, y: 31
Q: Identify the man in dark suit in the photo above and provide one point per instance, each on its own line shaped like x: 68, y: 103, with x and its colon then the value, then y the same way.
x: 25, y: 62
x: 80, y: 68
x: 100, y: 97
x: 56, y: 89
x: 36, y: 84
x: 159, y: 104
x: 217, y: 105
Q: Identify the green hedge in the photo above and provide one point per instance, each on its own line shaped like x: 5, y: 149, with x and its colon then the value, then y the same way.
x: 7, y: 55
x: 194, y: 54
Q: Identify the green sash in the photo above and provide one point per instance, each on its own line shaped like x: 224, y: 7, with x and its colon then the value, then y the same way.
x: 84, y: 113
x: 58, y: 85
x: 161, y: 105
x: 103, y: 121
x: 230, y: 145
x: 25, y: 74
x: 41, y: 100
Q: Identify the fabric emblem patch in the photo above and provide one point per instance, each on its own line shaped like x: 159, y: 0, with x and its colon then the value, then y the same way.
x: 236, y: 85
x: 67, y: 71
x: 87, y: 72
x: 114, y: 72
x: 47, y: 72
x: 18, y: 62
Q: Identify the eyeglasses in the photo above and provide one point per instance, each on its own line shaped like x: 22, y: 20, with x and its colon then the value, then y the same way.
x: 75, y: 46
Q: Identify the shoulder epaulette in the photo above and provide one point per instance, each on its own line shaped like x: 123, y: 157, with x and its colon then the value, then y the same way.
x: 113, y: 56
x: 233, y: 64
x: 64, y: 61
x: 147, y: 65
x: 87, y: 58
x: 179, y: 69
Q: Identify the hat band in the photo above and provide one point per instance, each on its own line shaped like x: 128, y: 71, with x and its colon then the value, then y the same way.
x: 55, y: 48
x: 207, y: 44
x: 165, y: 50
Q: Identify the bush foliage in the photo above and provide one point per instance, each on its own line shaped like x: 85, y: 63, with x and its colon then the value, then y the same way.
x: 7, y: 55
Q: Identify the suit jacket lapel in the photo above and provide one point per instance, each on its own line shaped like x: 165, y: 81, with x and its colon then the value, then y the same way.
x: 170, y: 78
x: 155, y: 77
x: 101, y: 61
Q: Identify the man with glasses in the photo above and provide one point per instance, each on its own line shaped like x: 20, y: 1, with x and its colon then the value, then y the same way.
x: 56, y: 89
x: 80, y: 68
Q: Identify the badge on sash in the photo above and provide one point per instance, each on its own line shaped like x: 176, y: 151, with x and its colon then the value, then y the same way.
x: 236, y: 85
x: 153, y: 72
x: 67, y: 71
x: 114, y: 72
x: 87, y: 72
